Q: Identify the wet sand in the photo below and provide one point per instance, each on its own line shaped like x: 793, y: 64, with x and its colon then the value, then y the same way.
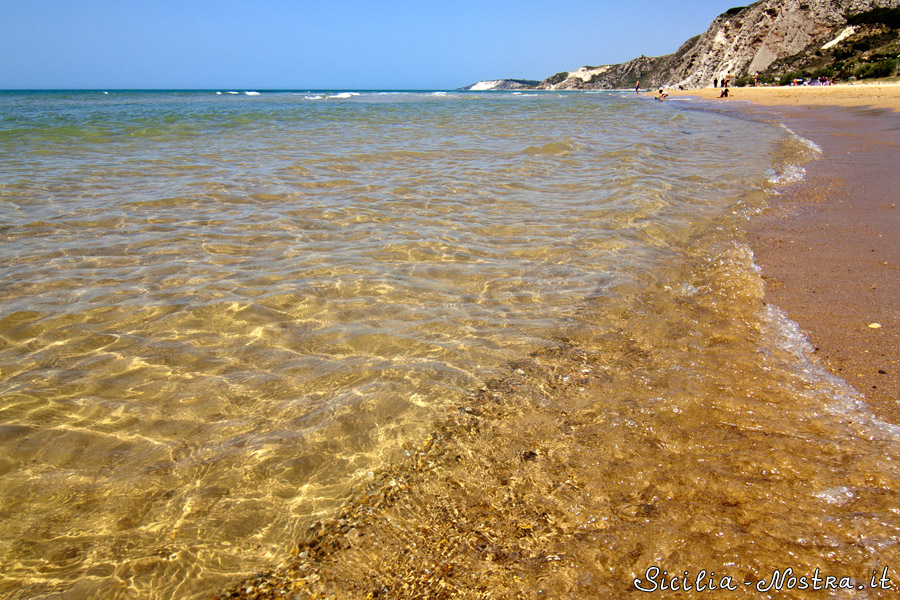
x: 829, y: 247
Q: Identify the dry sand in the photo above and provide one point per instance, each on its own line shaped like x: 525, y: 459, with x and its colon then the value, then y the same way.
x: 875, y: 95
x: 830, y: 246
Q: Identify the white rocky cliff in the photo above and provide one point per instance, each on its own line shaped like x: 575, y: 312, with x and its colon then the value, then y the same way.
x: 740, y: 41
x: 753, y: 38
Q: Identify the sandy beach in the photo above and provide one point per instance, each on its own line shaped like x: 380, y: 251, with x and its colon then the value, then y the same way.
x: 829, y: 246
x: 885, y: 95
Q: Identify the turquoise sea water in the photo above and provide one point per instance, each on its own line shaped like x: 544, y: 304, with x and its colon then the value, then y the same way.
x: 220, y: 312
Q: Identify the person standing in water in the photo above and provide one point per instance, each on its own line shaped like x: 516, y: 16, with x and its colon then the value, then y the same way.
x: 637, y: 86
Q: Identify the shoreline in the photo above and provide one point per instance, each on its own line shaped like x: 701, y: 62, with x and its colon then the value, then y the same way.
x: 413, y: 529
x: 829, y: 246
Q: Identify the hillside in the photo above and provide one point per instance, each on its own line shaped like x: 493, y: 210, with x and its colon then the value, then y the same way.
x: 868, y: 46
x: 779, y: 39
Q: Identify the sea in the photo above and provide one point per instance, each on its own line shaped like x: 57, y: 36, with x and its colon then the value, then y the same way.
x: 224, y: 312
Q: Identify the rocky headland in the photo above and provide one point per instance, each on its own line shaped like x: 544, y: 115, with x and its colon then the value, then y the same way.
x: 504, y: 84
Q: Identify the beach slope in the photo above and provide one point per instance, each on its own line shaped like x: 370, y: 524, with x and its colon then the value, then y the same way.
x: 829, y: 247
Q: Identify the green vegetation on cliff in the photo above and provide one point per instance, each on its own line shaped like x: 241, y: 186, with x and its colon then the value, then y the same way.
x: 879, y: 16
x: 871, y: 51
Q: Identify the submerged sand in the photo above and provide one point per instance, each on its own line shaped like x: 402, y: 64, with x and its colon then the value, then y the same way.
x: 459, y: 519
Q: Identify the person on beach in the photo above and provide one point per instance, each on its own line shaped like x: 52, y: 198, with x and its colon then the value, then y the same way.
x: 637, y: 87
x: 724, y: 93
x: 662, y: 95
x: 715, y: 82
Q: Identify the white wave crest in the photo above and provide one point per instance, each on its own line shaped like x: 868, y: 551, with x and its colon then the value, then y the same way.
x: 794, y: 152
x: 809, y: 144
x: 787, y: 174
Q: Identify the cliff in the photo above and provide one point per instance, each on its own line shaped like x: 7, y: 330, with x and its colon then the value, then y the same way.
x: 650, y: 71
x: 502, y: 84
x: 751, y: 39
x: 741, y: 41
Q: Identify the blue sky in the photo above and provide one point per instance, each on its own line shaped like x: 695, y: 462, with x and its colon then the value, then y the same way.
x: 327, y: 44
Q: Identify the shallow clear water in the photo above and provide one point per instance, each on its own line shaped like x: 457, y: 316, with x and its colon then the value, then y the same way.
x: 220, y: 313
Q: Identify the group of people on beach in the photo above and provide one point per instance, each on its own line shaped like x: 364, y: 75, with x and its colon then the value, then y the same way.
x: 722, y: 84
x: 726, y: 79
x: 662, y: 95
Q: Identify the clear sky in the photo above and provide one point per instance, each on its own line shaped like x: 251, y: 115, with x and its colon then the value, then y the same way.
x: 327, y: 44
